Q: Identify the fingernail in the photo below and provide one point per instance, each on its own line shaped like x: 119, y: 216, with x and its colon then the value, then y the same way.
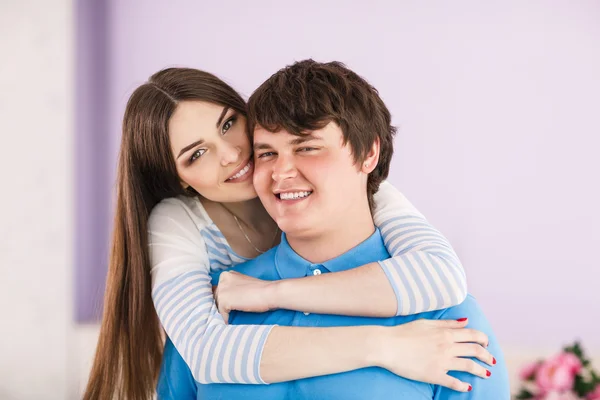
x: 461, y: 319
x: 488, y: 373
x: 470, y: 388
x: 494, y: 360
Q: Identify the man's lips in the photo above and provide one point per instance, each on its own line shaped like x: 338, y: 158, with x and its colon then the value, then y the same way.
x: 295, y: 194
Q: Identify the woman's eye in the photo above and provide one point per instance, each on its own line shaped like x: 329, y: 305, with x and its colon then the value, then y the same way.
x: 227, y: 125
x: 197, y: 154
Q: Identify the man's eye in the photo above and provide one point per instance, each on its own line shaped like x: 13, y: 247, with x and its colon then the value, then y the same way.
x: 227, y: 125
x: 197, y: 154
x: 267, y: 154
x: 304, y: 149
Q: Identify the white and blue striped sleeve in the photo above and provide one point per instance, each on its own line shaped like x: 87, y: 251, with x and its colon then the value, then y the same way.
x: 424, y: 270
x: 183, y: 298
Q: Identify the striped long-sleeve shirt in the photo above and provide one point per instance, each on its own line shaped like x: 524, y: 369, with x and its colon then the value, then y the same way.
x: 186, y: 246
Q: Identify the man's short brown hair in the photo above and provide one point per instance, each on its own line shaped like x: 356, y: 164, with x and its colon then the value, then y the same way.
x: 307, y: 95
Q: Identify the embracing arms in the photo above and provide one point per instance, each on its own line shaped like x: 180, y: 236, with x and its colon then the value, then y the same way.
x: 423, y: 274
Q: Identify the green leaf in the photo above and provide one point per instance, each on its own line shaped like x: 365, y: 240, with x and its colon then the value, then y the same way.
x: 575, y: 349
x: 595, y: 377
x: 581, y: 387
x: 524, y: 394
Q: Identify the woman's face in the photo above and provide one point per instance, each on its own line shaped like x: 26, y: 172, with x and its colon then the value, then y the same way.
x: 212, y: 151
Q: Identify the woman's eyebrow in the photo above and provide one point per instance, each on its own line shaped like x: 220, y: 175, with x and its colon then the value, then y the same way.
x: 223, y: 113
x: 200, y: 141
x: 190, y: 146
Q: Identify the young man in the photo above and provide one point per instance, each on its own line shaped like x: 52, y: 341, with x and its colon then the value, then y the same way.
x: 323, y: 143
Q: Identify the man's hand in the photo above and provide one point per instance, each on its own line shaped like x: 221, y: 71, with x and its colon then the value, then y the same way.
x: 242, y: 293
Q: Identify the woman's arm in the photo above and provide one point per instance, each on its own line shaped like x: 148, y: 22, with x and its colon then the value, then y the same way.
x: 220, y: 353
x: 424, y: 270
x: 255, y: 354
x: 423, y: 350
x: 183, y: 298
x: 424, y: 274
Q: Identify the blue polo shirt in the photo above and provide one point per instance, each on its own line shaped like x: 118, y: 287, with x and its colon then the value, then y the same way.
x: 282, y: 262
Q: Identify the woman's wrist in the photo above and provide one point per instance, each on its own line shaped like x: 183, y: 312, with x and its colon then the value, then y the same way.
x: 284, y: 294
x: 377, y: 344
x: 273, y: 294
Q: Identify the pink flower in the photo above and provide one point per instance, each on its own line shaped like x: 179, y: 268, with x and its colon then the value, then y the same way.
x: 595, y: 395
x: 529, y: 370
x: 558, y: 373
x: 561, y: 396
x: 571, y: 361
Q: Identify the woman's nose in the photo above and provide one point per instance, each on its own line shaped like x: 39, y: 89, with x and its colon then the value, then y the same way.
x: 230, y: 154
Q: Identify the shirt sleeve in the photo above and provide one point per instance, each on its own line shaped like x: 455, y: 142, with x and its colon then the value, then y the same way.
x: 424, y: 270
x: 183, y: 298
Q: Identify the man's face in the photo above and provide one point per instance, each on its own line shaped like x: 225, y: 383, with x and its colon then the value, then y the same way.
x: 308, y: 184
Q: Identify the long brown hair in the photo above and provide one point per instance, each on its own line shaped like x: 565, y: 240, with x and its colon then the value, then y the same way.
x: 130, y: 346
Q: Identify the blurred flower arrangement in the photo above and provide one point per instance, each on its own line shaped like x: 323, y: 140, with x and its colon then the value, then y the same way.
x: 566, y: 376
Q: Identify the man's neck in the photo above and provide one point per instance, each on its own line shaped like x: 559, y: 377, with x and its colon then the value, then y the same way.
x: 335, y: 241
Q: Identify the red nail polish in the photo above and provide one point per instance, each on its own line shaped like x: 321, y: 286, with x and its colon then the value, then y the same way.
x: 494, y: 360
x: 470, y: 388
x: 488, y: 373
x: 461, y: 319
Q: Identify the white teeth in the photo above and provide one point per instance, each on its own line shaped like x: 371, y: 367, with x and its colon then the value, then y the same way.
x: 293, y: 195
x: 243, y: 172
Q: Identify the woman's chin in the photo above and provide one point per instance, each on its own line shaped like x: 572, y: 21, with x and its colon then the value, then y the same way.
x: 233, y: 195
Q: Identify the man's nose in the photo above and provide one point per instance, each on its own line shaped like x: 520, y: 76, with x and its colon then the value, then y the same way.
x: 283, y: 168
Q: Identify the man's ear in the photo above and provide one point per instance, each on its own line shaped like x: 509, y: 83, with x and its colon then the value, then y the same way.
x: 372, y: 158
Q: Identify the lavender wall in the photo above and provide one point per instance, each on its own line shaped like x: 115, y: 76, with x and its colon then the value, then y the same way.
x: 498, y: 109
x: 93, y: 175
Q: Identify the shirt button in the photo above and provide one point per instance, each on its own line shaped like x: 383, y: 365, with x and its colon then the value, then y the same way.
x: 317, y: 272
x: 306, y: 313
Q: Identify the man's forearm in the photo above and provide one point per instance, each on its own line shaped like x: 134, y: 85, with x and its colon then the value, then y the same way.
x: 294, y: 353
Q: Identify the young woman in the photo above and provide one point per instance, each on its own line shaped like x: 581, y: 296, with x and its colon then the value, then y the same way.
x: 186, y: 209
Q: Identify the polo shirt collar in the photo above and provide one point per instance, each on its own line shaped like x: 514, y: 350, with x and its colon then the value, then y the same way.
x: 290, y: 264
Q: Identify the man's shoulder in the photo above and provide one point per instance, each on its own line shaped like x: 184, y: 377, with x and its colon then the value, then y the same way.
x: 495, y: 387
x: 469, y: 308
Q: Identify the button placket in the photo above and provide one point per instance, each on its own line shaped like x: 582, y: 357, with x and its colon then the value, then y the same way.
x: 315, y: 271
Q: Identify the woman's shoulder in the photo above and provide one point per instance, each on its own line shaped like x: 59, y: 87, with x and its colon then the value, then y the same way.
x: 181, y: 210
x: 389, y: 201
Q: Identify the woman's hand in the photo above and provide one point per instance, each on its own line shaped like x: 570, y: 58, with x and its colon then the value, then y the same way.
x: 242, y: 293
x: 425, y: 350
